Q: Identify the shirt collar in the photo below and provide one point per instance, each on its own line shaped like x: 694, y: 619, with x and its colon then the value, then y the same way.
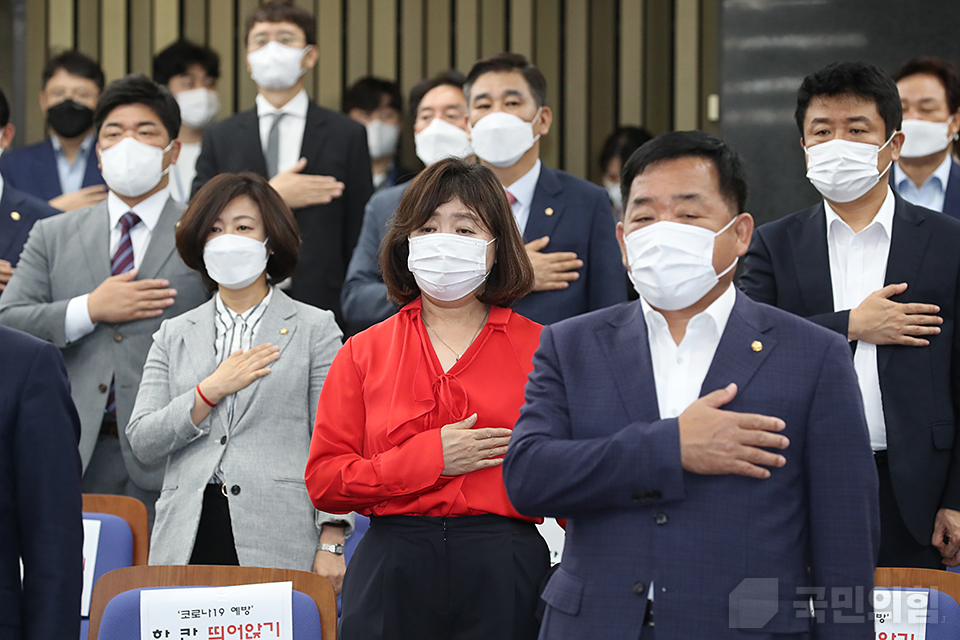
x: 523, y: 188
x: 884, y: 217
x: 149, y: 210
x: 719, y: 312
x: 939, y: 177
x: 297, y: 106
x: 85, y: 146
x: 252, y: 313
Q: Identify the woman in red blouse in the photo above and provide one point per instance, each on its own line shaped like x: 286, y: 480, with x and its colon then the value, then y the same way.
x: 415, y: 415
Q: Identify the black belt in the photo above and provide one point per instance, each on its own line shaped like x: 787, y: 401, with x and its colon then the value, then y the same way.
x: 880, y: 457
x: 109, y: 426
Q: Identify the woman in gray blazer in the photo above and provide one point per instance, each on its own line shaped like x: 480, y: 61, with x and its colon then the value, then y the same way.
x: 229, y: 395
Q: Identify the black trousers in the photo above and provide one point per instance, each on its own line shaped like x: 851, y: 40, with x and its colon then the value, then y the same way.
x: 464, y: 578
x: 898, y: 547
x: 214, y: 543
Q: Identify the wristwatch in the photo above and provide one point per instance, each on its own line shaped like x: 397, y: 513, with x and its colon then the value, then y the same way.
x: 336, y: 549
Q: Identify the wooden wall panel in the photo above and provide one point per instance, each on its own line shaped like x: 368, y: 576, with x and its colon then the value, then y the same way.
x: 602, y: 81
x: 631, y: 62
x: 575, y: 87
x: 438, y: 49
x: 113, y: 45
x: 221, y: 38
x: 88, y: 28
x: 166, y: 24
x: 329, y: 70
x: 141, y: 37
x: 547, y: 54
x: 467, y: 37
x: 246, y: 90
x: 195, y: 20
x: 60, y: 25
x: 658, y: 96
x: 358, y: 40
x: 493, y: 23
x: 36, y: 34
x: 383, y: 52
x: 686, y: 71
x: 522, y: 27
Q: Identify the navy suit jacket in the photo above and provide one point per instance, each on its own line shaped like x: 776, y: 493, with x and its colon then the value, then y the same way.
x: 40, y: 503
x: 590, y: 446
x: 33, y: 169
x: 14, y: 229
x: 788, y: 266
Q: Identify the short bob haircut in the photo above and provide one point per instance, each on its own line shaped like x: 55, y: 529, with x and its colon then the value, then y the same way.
x: 280, y: 227
x: 479, y: 190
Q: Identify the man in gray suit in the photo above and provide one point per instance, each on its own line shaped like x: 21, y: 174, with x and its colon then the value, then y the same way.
x: 439, y: 108
x: 98, y: 281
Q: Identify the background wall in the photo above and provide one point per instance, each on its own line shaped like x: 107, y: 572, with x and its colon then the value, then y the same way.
x: 608, y: 62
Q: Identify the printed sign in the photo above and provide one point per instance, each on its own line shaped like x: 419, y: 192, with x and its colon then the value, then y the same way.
x: 91, y: 540
x: 242, y: 612
x: 900, y: 615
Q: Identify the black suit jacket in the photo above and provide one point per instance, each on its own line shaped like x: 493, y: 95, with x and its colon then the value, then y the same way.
x: 334, y: 145
x: 18, y: 212
x: 788, y: 266
x: 40, y: 503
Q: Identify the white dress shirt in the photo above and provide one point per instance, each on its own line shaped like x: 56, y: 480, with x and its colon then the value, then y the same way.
x: 184, y: 171
x: 77, y: 322
x: 522, y: 189
x: 931, y: 193
x: 858, y: 266
x: 1, y: 186
x: 291, y: 127
x: 680, y: 369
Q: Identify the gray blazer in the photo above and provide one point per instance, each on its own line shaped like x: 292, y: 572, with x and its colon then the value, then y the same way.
x: 68, y: 255
x: 263, y: 455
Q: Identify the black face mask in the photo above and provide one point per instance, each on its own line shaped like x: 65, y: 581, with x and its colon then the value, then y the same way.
x: 69, y: 119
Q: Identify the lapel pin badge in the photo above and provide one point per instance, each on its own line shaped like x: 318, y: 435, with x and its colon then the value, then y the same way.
x: 548, y: 211
x: 756, y: 345
x: 15, y: 215
x: 284, y: 331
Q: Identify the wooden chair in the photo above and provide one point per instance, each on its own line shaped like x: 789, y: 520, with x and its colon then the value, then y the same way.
x: 116, y: 582
x: 131, y: 510
x: 945, y: 581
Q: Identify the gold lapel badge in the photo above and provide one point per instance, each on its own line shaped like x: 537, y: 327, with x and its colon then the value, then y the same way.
x: 756, y: 345
x: 15, y: 215
x: 548, y: 211
x: 284, y: 331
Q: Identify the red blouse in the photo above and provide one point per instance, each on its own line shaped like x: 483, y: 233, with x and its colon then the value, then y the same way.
x: 376, y: 447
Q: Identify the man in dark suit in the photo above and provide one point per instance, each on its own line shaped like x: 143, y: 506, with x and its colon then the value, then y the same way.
x: 565, y: 221
x: 315, y: 158
x: 40, y: 512
x: 926, y: 173
x: 885, y: 275
x: 18, y: 210
x: 62, y: 169
x: 710, y: 452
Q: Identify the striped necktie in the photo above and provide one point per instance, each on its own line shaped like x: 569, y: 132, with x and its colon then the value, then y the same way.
x: 121, y: 263
x: 512, y: 199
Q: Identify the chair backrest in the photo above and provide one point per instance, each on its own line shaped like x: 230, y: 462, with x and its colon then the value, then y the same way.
x: 114, y: 550
x: 318, y: 589
x: 131, y: 510
x: 943, y: 587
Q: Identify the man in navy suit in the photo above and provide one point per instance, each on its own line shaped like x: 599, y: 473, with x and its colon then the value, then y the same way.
x: 926, y: 173
x: 62, y: 169
x: 40, y: 508
x: 18, y: 210
x: 710, y: 453
x: 885, y: 275
x: 565, y: 221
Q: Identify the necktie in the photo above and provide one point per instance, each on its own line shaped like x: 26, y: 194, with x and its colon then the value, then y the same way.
x: 273, y: 145
x: 121, y: 263
x: 512, y: 199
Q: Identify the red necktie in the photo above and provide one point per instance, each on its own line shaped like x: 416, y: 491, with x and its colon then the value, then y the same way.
x: 512, y: 199
x: 121, y: 263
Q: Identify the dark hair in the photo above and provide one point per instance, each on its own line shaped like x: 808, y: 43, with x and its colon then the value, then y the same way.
x: 284, y: 11
x: 858, y: 79
x: 505, y: 63
x: 367, y: 93
x: 450, y: 78
x: 622, y: 143
x: 731, y: 173
x: 280, y: 227
x: 137, y: 88
x: 76, y: 64
x: 180, y: 56
x: 4, y: 110
x: 944, y: 70
x: 479, y: 190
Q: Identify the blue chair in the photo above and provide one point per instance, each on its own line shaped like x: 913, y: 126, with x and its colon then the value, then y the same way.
x: 114, y: 551
x: 943, y: 589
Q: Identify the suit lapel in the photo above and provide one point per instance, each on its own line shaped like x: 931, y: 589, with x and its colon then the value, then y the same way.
x: 546, y: 208
x: 742, y: 349
x: 162, y: 242
x: 48, y: 168
x: 249, y: 148
x: 811, y: 258
x: 628, y: 351
x: 907, y: 248
x: 314, y: 134
x: 9, y: 228
x: 951, y: 199
x: 198, y: 343
x: 93, y: 229
x: 278, y: 326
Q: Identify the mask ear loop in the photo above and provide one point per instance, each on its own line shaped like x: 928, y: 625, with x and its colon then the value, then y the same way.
x: 889, y: 164
x: 736, y: 258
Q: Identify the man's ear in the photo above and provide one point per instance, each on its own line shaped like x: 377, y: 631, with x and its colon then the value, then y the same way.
x: 744, y: 228
x: 6, y: 137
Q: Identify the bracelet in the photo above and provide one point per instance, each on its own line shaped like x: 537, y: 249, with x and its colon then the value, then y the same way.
x: 204, y: 398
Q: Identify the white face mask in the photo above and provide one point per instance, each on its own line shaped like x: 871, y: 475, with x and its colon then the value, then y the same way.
x: 440, y: 140
x: 925, y: 138
x: 382, y: 138
x: 502, y: 138
x: 448, y: 267
x: 276, y: 66
x: 671, y: 264
x: 131, y: 168
x: 235, y: 261
x: 842, y: 170
x: 198, y: 107
x: 613, y: 190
